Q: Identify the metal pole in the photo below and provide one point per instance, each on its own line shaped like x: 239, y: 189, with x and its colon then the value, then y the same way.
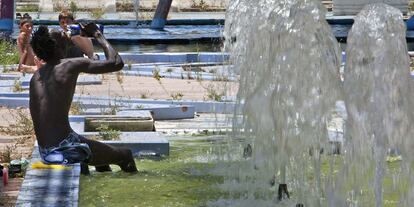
x: 161, y: 14
x: 6, y: 17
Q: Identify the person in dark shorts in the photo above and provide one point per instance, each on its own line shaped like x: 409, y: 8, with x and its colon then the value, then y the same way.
x: 51, y: 92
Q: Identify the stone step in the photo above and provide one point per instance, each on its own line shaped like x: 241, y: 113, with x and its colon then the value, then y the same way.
x: 27, y: 1
x: 140, y: 121
x: 143, y: 144
x: 121, y: 123
x: 49, y: 187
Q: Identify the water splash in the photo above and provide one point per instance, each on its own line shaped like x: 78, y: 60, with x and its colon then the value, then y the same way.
x: 288, y: 61
x: 136, y: 5
x: 379, y: 105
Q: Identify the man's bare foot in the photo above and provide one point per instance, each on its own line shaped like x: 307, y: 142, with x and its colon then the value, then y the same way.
x: 84, y: 169
x: 128, y: 163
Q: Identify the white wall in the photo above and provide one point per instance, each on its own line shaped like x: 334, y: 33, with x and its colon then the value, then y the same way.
x: 108, y: 5
x: 180, y: 4
x: 352, y: 7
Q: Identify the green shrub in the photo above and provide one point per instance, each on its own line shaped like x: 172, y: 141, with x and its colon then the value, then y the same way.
x: 73, y: 8
x: 107, y: 133
x: 8, y: 53
x: 28, y: 8
x: 17, y: 87
x: 97, y: 13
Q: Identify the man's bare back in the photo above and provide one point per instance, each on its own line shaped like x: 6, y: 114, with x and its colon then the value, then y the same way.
x: 51, y: 92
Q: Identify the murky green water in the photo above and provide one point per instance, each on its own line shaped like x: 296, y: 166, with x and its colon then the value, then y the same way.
x: 192, y: 176
x: 182, y: 179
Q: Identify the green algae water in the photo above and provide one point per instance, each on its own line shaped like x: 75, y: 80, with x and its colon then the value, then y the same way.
x: 184, y: 178
x: 192, y: 176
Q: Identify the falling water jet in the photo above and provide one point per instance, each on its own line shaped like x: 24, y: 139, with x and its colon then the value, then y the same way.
x: 136, y: 11
x: 288, y: 61
x: 377, y: 89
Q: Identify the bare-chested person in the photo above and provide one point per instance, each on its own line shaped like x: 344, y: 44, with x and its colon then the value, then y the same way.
x: 51, y: 93
x: 27, y: 62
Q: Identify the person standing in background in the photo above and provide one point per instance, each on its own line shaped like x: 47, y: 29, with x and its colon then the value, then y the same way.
x: 83, y: 43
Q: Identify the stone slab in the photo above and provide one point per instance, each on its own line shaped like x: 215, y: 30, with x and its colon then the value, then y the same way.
x: 14, y: 100
x: 160, y: 111
x: 77, y: 123
x: 166, y: 112
x: 200, y: 106
x: 139, y: 142
x: 9, y: 76
x: 49, y: 187
x: 82, y: 80
x: 125, y: 123
x: 173, y: 57
x: 143, y: 121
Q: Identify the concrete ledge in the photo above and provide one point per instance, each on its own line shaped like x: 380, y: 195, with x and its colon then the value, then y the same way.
x: 49, y: 187
x: 142, y: 22
x: 139, y: 142
x: 160, y: 111
x: 125, y: 123
x: 8, y: 82
x: 14, y: 100
x: 211, y: 57
x: 55, y: 187
x: 138, y: 121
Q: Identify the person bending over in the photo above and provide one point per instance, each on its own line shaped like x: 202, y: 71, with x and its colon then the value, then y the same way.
x: 51, y: 92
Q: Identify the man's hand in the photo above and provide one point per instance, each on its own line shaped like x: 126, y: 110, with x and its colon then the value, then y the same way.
x: 89, y: 30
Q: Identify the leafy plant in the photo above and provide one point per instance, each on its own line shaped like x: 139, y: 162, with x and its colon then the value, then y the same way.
x: 97, y: 13
x: 177, y: 96
x: 112, y: 110
x: 212, y: 94
x: 145, y: 94
x: 21, y: 123
x: 411, y: 6
x: 8, y: 53
x: 107, y: 133
x: 76, y: 108
x: 6, y: 154
x: 17, y: 87
x: 73, y: 7
x: 200, y: 4
x: 146, y: 15
x: 156, y: 74
x: 119, y: 77
x: 129, y: 64
x: 58, y: 6
x: 27, y: 8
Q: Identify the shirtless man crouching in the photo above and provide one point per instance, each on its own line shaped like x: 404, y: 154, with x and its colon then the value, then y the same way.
x: 51, y: 93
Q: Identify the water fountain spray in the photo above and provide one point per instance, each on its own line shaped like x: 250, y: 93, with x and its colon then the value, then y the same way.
x: 288, y: 61
x: 379, y: 104
x: 136, y: 11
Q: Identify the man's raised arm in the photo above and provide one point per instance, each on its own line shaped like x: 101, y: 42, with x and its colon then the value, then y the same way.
x: 113, y: 60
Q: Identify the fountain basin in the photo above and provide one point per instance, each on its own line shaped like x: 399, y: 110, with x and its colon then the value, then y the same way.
x: 121, y: 123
